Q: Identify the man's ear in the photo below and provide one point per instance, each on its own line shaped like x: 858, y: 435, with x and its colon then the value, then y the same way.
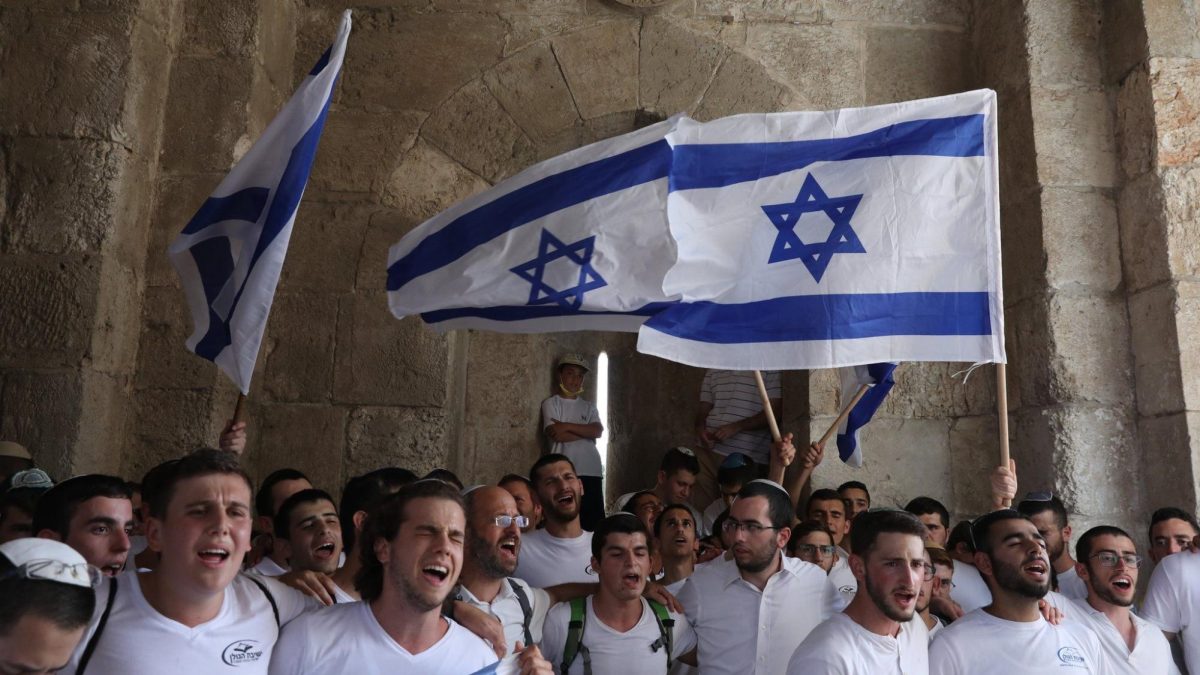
x: 264, y: 524
x: 47, y: 533
x: 1066, y: 534
x: 383, y: 550
x: 154, y: 530
x: 983, y: 563
x: 359, y: 518
x: 858, y: 567
x: 782, y: 536
x: 284, y: 548
x: 1082, y: 571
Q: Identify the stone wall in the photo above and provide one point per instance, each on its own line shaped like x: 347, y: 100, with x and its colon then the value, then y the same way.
x: 137, y: 109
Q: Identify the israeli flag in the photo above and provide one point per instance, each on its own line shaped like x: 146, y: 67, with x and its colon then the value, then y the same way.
x: 230, y: 254
x: 877, y: 376
x: 577, y: 242
x: 824, y: 239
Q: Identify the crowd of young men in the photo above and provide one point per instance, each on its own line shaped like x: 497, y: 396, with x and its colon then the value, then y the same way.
x: 193, y: 571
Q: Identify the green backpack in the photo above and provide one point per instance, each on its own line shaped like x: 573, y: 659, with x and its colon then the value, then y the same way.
x: 575, y: 646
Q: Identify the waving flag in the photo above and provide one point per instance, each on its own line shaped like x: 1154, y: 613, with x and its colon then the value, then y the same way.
x: 230, y: 254
x: 576, y: 242
x: 878, y: 376
x: 824, y: 239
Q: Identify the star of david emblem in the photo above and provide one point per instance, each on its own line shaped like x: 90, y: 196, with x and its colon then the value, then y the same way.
x: 816, y: 256
x: 551, y: 249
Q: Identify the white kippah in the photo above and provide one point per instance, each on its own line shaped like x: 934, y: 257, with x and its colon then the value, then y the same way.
x: 772, y: 483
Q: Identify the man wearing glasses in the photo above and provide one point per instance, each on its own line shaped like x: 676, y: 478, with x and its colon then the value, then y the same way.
x: 750, y: 613
x: 1108, y: 564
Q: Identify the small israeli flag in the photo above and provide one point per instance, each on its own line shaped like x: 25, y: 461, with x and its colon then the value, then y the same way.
x: 230, y: 254
x: 878, y: 376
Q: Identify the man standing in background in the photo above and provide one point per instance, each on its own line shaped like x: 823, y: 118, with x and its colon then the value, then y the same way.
x: 731, y: 419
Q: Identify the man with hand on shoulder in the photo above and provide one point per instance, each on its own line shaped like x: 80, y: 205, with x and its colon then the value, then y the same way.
x: 92, y: 514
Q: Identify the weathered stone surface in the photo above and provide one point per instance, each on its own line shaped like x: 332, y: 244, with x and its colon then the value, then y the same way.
x: 179, y: 197
x: 412, y: 438
x: 47, y: 309
x: 1021, y: 231
x: 1167, y: 460
x: 360, y: 149
x: 220, y: 29
x: 42, y: 409
x: 1079, y: 228
x: 382, y: 361
x: 118, y: 313
x: 310, y: 438
x: 1136, y: 130
x: 1181, y: 201
x: 170, y: 423
x: 323, y: 255
x: 974, y: 453
x: 741, y: 85
x: 768, y: 10
x: 1073, y: 130
x: 904, y: 64
x: 299, y: 361
x: 524, y: 30
x: 999, y: 46
x: 1123, y: 34
x: 1172, y: 27
x: 1187, y: 327
x: 1089, y: 338
x: 1176, y: 110
x: 1094, y: 445
x: 1144, y: 242
x: 427, y: 182
x: 676, y: 66
x: 474, y: 129
x: 822, y: 65
x: 212, y: 94
x: 601, y: 67
x: 385, y: 229
x: 531, y: 88
x: 916, y: 12
x: 1064, y: 42
x: 931, y: 390
x: 163, y: 359
x: 1030, y: 353
x: 1155, y: 341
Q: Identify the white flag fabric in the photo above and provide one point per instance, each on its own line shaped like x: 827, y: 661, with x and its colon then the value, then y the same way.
x: 577, y: 242
x: 824, y: 239
x: 230, y: 254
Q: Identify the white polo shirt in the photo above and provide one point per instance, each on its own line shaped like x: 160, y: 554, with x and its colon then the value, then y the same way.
x: 843, y: 582
x: 1173, y: 602
x: 981, y: 644
x: 637, y: 651
x: 582, y: 452
x: 348, y: 639
x: 842, y: 647
x: 507, y: 608
x: 1151, y: 652
x: 970, y: 591
x: 740, y: 629
x: 547, y: 560
x: 1071, y: 585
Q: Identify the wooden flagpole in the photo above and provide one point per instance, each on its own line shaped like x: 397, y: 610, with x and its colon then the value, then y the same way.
x: 1002, y: 411
x: 862, y: 390
x: 766, y: 401
x: 239, y: 414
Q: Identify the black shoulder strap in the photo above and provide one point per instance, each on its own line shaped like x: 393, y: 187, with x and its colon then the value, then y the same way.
x: 95, y: 639
x: 270, y: 598
x: 526, y: 609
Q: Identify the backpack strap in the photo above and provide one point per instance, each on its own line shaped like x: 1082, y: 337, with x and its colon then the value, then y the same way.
x: 270, y: 598
x: 526, y: 608
x: 95, y: 639
x: 666, y: 630
x: 574, y: 644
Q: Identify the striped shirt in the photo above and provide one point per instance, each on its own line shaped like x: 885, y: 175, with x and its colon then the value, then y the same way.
x: 734, y: 396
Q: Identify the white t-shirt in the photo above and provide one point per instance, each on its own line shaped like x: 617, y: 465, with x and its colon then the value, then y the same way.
x: 507, y: 608
x: 267, y: 567
x: 137, y: 639
x: 349, y: 639
x: 1173, y: 602
x: 981, y: 644
x: 734, y: 396
x: 843, y: 582
x: 582, y: 452
x: 1151, y: 652
x: 638, y: 651
x: 970, y: 591
x: 842, y: 647
x: 546, y: 560
x: 342, y: 597
x: 1070, y: 585
x: 711, y: 513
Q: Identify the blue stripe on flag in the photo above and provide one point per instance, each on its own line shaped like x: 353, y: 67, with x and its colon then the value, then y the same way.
x: 244, y: 205
x: 862, y: 411
x: 214, y: 264
x: 525, y: 313
x: 321, y: 62
x: 524, y: 205
x: 827, y: 317
x: 720, y: 164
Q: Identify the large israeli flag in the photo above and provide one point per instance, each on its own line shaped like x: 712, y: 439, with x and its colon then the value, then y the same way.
x: 824, y: 239
x: 230, y: 254
x: 577, y: 242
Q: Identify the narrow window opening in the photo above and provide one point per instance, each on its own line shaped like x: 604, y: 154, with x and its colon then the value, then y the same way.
x: 602, y: 408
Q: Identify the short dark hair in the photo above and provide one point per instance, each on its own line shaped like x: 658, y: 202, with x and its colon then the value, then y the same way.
x: 515, y: 478
x: 57, y: 505
x: 1083, y: 547
x: 263, y: 503
x: 283, y: 517
x: 547, y: 460
x: 22, y: 499
x: 822, y: 495
x: 981, y: 528
x: 658, y: 522
x: 737, y: 475
x: 1030, y: 508
x: 923, y: 506
x: 779, y: 504
x: 961, y: 534
x: 152, y: 481
x: 855, y: 485
x: 1171, y: 513
x: 446, y: 476
x: 677, y: 460
x: 363, y: 492
x: 203, y: 462
x: 384, y: 523
x: 869, y: 525
x: 939, y: 556
x: 802, y: 530
x: 618, y: 523
x: 636, y: 496
x: 66, y: 606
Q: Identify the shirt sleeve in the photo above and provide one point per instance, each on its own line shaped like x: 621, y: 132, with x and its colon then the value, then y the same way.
x: 706, y: 393
x: 540, y: 600
x: 683, y: 636
x: 592, y: 415
x: 1163, y: 604
x: 289, y: 657
x: 290, y: 602
x: 689, y: 597
x: 554, y: 633
x: 547, y: 412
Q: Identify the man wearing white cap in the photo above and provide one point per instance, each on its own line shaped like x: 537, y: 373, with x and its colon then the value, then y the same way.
x: 573, y: 425
x: 13, y: 458
x: 46, y: 600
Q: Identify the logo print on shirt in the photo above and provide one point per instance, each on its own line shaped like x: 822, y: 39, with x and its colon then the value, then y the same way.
x: 242, y: 652
x: 1069, y: 656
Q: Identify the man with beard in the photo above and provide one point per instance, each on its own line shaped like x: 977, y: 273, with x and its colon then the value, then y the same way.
x: 876, y: 633
x: 92, y: 514
x: 561, y: 552
x: 308, y: 534
x: 1108, y: 564
x: 1010, y: 635
x: 616, y: 630
x: 412, y: 552
x: 750, y: 613
x: 1048, y: 513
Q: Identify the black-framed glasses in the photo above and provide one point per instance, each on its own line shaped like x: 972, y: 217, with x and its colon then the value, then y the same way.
x: 930, y: 572
x: 752, y: 528
x: 1110, y: 558
x: 506, y: 521
x: 813, y: 550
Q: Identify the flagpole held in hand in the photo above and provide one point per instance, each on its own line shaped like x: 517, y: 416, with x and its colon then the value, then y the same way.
x: 862, y: 389
x: 766, y: 401
x: 1002, y: 410
x: 238, y: 412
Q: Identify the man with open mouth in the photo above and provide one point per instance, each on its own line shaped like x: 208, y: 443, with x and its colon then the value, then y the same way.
x: 876, y: 634
x: 92, y: 514
x: 560, y: 553
x: 1010, y: 635
x: 309, y: 536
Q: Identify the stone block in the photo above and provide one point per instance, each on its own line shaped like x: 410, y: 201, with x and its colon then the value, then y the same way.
x: 493, y: 450
x: 532, y: 89
x: 1137, y: 132
x: 1176, y: 110
x: 1123, y: 34
x: 508, y: 376
x: 601, y: 67
x: 170, y: 423
x: 998, y: 42
x: 1074, y: 135
x: 974, y: 453
x: 178, y: 199
x: 1181, y: 211
x: 220, y: 29
x: 104, y: 424
x: 1144, y: 234
x: 64, y: 195
x: 473, y: 128
x: 1018, y: 153
x: 118, y: 319
x: 1155, y: 344
x: 1022, y: 245
x: 164, y: 361
x: 822, y: 65
x: 1168, y: 462
x: 412, y: 438
x: 1172, y: 27
x: 1187, y: 327
x: 741, y: 85
x: 385, y: 229
x: 380, y: 361
x: 1081, y: 239
x: 326, y: 245
x: 1030, y: 353
x: 277, y: 26
x: 428, y: 182
x: 523, y: 30
x: 1064, y: 42
x: 213, y: 95
x: 299, y: 347
x: 1093, y: 445
x: 799, y: 11
x: 360, y: 149
x: 1090, y: 358
x: 676, y: 66
x: 47, y: 310
x: 42, y: 410
x: 311, y: 438
x: 914, y: 12
x: 902, y: 64
x: 930, y: 390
